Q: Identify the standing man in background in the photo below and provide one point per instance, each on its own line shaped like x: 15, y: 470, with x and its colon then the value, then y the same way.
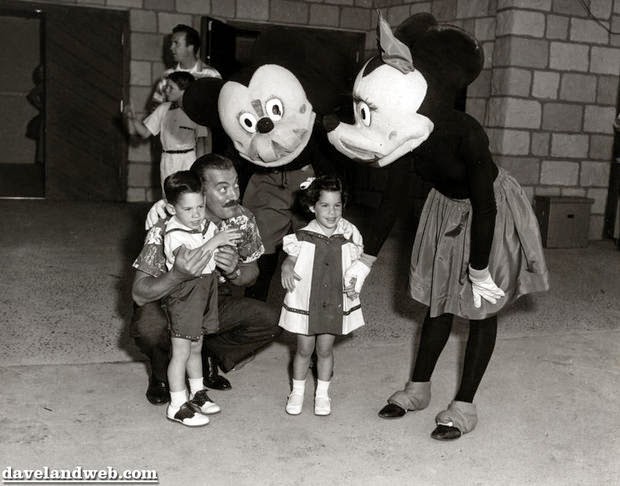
x: 184, y: 46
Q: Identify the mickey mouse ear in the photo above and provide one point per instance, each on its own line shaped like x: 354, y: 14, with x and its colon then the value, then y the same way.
x: 392, y: 51
x: 200, y: 101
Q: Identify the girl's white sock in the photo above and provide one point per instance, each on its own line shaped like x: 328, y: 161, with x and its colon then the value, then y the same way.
x: 195, y: 384
x: 321, y: 388
x: 299, y: 386
x: 178, y: 398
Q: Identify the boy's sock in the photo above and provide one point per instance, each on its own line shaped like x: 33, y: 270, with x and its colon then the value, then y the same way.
x: 178, y: 398
x: 321, y: 388
x: 195, y: 384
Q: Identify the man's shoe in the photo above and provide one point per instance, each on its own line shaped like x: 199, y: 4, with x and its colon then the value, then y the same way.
x: 212, y: 377
x: 158, y: 393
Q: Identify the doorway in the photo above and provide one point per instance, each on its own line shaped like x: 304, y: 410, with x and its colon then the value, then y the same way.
x: 22, y: 163
x: 65, y: 74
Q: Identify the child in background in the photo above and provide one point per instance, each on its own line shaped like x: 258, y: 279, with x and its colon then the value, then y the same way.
x: 192, y: 306
x: 182, y: 140
x: 319, y: 304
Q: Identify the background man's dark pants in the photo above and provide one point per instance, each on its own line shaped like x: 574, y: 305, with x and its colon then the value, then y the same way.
x: 246, y: 325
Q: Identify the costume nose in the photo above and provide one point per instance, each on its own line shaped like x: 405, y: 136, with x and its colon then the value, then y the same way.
x: 264, y: 125
x: 330, y: 122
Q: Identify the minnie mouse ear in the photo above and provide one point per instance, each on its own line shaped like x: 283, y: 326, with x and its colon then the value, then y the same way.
x: 451, y: 55
x: 200, y: 101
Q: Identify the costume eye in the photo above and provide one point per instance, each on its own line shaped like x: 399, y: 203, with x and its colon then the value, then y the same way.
x: 363, y: 112
x: 248, y: 122
x: 275, y: 110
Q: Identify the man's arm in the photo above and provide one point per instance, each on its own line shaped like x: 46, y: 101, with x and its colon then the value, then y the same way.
x: 187, y: 265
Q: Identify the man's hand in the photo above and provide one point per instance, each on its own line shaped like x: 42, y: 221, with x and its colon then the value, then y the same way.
x: 191, y: 263
x: 157, y: 212
x: 227, y: 259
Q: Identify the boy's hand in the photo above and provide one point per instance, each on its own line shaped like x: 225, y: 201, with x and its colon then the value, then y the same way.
x: 288, y: 275
x: 227, y: 237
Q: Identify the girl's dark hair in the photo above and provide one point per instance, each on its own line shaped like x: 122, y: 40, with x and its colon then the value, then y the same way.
x: 182, y: 79
x: 179, y: 183
x: 309, y: 196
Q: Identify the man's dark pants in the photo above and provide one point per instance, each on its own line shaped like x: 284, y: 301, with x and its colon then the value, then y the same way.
x: 246, y: 325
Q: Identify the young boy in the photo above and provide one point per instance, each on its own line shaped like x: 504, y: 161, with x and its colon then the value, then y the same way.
x: 192, y: 306
x: 182, y: 140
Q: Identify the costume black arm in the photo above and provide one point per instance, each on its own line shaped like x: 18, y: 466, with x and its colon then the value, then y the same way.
x: 376, y: 230
x: 481, y: 173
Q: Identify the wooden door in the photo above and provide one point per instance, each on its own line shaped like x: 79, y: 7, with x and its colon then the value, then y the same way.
x: 86, y: 64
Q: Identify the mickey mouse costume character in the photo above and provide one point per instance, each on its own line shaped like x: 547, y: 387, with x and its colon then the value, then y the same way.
x: 477, y: 246
x: 271, y: 113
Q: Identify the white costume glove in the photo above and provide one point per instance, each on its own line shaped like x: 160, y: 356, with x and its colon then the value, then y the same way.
x: 483, y: 287
x: 359, y: 270
x: 157, y: 212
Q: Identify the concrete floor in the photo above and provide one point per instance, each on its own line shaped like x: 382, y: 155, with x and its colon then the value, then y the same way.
x: 73, y: 383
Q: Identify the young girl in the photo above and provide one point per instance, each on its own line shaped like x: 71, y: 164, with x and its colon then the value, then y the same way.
x: 319, y: 304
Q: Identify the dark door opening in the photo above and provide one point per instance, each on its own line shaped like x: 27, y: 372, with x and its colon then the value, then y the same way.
x: 80, y: 152
x: 22, y: 95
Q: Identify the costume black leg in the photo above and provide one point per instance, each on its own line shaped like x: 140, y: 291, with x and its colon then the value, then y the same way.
x: 417, y: 392
x: 149, y: 328
x: 480, y: 346
x: 267, y: 265
x: 435, y: 334
x: 246, y: 325
x: 461, y: 416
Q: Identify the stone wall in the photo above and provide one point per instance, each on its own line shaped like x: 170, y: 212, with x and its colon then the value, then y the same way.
x: 554, y: 89
x: 547, y: 94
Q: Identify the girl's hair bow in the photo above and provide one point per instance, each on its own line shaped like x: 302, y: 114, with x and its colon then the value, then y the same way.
x: 306, y: 184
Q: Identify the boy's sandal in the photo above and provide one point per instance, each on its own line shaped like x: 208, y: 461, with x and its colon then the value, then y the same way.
x: 415, y: 396
x: 460, y: 418
x: 189, y: 417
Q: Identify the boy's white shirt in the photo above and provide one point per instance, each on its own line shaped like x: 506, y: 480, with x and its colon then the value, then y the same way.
x: 174, y: 239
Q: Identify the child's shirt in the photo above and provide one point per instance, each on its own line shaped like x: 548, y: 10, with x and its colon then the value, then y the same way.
x: 177, y: 234
x: 175, y: 129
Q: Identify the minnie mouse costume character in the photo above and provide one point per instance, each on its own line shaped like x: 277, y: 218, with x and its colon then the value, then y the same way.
x: 477, y: 246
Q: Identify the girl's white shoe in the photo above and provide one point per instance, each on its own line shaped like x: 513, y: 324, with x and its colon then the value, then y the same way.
x: 294, y: 403
x: 322, y: 405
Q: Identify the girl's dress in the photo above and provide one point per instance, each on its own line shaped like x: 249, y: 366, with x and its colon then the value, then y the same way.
x: 318, y: 304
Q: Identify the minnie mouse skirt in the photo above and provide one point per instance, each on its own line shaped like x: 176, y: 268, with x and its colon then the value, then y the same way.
x: 440, y: 257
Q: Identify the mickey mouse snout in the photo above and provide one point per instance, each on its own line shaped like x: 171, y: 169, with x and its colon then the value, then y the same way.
x: 264, y: 125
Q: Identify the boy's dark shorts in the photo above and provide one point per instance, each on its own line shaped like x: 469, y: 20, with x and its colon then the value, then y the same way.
x: 191, y: 308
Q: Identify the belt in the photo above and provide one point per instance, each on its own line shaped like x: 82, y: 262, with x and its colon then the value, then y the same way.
x: 183, y: 151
